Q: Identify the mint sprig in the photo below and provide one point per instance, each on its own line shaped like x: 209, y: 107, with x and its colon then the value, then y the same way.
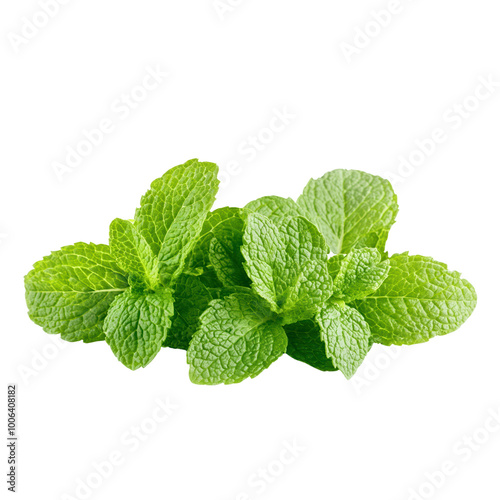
x: 239, y: 287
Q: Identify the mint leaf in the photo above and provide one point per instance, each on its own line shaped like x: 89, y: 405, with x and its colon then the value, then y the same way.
x: 136, y: 326
x: 346, y: 336
x: 305, y: 344
x: 227, y: 261
x: 360, y: 273
x: 69, y: 291
x: 238, y: 338
x: 419, y: 299
x: 350, y: 206
x: 334, y: 264
x: 133, y: 253
x: 287, y: 265
x: 223, y: 223
x: 173, y: 211
x: 191, y: 299
x: 376, y: 240
x: 217, y: 252
x: 275, y: 207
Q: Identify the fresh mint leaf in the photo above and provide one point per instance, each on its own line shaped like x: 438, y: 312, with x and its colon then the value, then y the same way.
x: 225, y: 225
x: 133, y: 253
x: 350, y: 206
x: 419, y: 299
x: 376, y: 240
x: 227, y: 261
x: 360, y: 273
x: 137, y: 324
x: 346, y: 335
x: 191, y: 299
x: 334, y: 263
x: 69, y: 292
x: 222, y: 293
x: 305, y: 344
x: 275, y: 207
x: 238, y: 338
x: 287, y: 265
x: 173, y: 211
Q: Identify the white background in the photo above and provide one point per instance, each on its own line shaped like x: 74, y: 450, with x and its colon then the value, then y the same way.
x: 401, y: 417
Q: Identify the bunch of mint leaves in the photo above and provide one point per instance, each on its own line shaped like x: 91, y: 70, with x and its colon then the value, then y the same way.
x: 239, y: 287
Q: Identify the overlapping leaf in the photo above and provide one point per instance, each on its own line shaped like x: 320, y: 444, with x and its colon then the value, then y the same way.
x: 419, y: 299
x: 358, y: 274
x: 238, y: 338
x: 173, y: 212
x: 346, y: 335
x: 350, y: 208
x: 136, y: 326
x: 69, y: 292
x: 287, y: 265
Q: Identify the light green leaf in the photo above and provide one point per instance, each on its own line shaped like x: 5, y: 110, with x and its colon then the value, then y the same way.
x: 419, y: 299
x: 275, y: 207
x: 287, y: 265
x: 334, y: 264
x: 133, y: 253
x: 173, y: 211
x: 376, y: 240
x: 191, y: 299
x: 137, y: 324
x: 360, y: 274
x: 238, y: 338
x: 348, y: 206
x: 346, y: 336
x: 69, y: 291
x: 305, y: 344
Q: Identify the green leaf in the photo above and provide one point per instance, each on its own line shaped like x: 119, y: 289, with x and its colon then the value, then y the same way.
x: 173, y: 211
x: 305, y: 344
x: 137, y: 324
x: 222, y: 257
x: 275, y: 207
x: 209, y: 278
x: 191, y: 299
x: 346, y: 336
x: 287, y: 265
x: 133, y: 253
x: 334, y: 264
x: 238, y: 338
x: 227, y: 261
x: 376, y: 240
x: 349, y: 207
x: 222, y: 293
x: 69, y: 291
x: 419, y: 299
x: 359, y: 275
x: 224, y: 224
